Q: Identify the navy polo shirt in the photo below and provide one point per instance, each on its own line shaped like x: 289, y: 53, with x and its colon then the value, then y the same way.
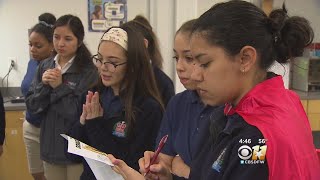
x: 184, y: 119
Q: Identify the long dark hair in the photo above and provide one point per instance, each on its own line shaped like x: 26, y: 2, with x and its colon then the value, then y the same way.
x: 83, y: 55
x: 139, y: 80
x: 235, y: 24
x: 143, y: 25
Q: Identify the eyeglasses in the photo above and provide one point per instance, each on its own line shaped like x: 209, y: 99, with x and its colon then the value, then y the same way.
x: 111, y: 66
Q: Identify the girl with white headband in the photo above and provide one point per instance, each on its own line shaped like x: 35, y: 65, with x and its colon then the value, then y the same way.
x: 122, y: 115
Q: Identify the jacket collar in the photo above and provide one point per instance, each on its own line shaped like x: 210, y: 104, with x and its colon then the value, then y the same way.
x: 273, y: 81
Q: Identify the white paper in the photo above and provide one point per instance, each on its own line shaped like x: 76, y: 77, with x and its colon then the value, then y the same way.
x: 102, y: 171
x: 98, y: 161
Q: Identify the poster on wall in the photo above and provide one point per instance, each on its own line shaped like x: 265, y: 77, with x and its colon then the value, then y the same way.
x: 103, y: 14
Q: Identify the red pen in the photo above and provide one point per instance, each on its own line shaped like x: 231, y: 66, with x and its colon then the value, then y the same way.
x: 155, y: 156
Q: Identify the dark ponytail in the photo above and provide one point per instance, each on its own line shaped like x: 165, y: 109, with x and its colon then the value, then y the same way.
x: 291, y: 34
x: 143, y: 25
x: 45, y: 26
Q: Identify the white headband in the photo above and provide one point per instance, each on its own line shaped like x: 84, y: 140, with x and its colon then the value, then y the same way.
x: 116, y: 35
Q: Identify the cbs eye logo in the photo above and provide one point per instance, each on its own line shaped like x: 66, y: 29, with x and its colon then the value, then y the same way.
x: 256, y: 152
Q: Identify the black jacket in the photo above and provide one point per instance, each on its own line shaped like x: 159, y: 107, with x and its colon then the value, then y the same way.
x: 59, y: 107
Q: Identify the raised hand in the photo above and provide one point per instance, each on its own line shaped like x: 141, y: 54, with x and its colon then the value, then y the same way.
x: 84, y: 109
x: 92, y: 108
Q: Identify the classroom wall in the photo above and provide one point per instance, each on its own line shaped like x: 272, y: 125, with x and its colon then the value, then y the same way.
x: 166, y: 16
x: 17, y: 17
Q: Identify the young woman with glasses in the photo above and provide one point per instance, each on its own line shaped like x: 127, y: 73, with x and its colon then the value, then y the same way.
x: 122, y: 114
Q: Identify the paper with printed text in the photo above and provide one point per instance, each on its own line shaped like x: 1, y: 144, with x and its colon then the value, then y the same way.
x: 98, y: 161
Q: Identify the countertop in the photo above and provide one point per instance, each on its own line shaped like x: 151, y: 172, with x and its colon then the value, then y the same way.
x: 308, y: 95
x: 9, y: 106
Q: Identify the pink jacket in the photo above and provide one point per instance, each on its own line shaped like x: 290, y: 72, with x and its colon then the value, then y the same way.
x: 279, y: 115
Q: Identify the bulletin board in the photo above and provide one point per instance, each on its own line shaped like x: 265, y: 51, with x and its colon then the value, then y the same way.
x: 103, y: 14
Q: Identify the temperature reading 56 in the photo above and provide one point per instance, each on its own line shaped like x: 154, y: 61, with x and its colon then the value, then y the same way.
x: 262, y: 141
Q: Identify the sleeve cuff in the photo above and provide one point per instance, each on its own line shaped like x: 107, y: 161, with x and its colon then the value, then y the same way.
x: 92, y: 123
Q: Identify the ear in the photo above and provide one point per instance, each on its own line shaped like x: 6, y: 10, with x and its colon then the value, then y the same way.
x: 248, y: 58
x: 146, y: 42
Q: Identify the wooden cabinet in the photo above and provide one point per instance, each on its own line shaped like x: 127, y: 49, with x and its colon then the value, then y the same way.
x: 305, y: 105
x: 13, y: 162
x: 312, y: 108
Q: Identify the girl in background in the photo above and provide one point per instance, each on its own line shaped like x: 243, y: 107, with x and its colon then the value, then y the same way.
x: 164, y: 83
x: 56, y: 93
x: 41, y: 47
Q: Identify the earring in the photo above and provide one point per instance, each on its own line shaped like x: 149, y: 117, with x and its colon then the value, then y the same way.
x: 243, y: 70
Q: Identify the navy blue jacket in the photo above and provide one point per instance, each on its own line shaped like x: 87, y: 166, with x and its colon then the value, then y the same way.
x: 109, y: 133
x: 230, y: 155
x: 2, y: 120
x: 25, y: 85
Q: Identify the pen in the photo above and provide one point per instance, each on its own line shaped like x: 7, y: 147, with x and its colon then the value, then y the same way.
x: 155, y: 156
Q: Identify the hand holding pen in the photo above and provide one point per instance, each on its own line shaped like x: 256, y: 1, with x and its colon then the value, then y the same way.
x: 156, y: 153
